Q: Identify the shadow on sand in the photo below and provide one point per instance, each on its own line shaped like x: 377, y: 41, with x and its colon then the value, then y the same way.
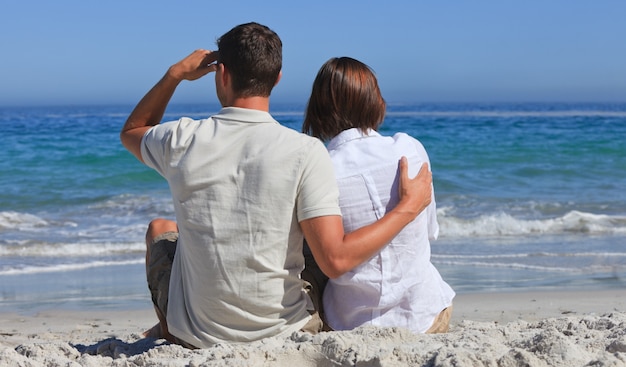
x: 116, y: 348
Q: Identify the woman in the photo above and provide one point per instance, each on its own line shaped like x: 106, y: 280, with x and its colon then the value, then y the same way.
x: 399, y: 286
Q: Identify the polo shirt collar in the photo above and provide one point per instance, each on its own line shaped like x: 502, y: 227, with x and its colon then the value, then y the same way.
x: 245, y: 115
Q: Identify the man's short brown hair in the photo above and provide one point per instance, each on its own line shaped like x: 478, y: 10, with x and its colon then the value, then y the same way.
x: 253, y: 55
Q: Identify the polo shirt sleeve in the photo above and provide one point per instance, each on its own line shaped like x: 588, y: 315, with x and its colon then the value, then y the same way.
x: 164, y: 144
x: 318, y: 194
x: 154, y: 147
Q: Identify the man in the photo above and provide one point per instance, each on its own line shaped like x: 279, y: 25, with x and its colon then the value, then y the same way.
x: 246, y: 192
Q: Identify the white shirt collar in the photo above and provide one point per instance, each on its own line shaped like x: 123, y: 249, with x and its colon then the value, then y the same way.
x: 350, y: 134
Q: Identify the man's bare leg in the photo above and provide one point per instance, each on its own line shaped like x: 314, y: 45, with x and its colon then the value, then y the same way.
x: 156, y: 228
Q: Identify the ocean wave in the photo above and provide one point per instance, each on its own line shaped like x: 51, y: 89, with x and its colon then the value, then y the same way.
x: 504, y: 224
x: 520, y: 266
x: 42, y: 249
x: 11, y: 220
x: 33, y: 269
x: 529, y: 255
x: 128, y: 205
x: 563, y: 268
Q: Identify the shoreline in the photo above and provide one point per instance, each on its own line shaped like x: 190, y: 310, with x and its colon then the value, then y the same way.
x: 531, y: 306
x: 580, y: 326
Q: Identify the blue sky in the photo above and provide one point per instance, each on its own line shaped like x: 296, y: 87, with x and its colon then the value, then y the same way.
x: 90, y: 52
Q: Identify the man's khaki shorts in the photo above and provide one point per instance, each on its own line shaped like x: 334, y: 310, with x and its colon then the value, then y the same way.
x: 159, y: 269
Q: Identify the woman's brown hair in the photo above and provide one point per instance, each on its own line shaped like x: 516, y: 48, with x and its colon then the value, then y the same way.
x: 345, y: 95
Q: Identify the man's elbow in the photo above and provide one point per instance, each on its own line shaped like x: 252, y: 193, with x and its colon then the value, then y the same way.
x: 132, y: 143
x: 122, y: 133
x: 125, y: 139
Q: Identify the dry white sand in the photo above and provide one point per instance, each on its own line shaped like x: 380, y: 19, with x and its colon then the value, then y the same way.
x: 500, y: 329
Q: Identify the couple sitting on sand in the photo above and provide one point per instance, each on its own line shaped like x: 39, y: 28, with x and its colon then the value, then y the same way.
x: 249, y: 194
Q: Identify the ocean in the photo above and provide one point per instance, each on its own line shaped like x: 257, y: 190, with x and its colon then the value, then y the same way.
x: 529, y: 197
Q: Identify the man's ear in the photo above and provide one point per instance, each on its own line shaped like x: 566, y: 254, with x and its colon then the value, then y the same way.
x: 223, y: 74
x: 280, y: 74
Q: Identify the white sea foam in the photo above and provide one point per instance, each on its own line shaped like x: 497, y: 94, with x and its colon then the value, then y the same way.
x: 70, y: 249
x: 504, y: 224
x: 563, y: 268
x: 16, y: 220
x: 521, y: 266
x: 33, y: 269
x: 445, y: 257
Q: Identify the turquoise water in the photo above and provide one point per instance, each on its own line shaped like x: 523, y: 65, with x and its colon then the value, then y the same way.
x: 529, y: 196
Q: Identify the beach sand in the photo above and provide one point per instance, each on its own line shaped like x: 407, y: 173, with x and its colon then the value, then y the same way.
x: 586, y: 328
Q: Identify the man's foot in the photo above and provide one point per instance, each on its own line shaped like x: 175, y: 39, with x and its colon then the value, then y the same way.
x: 154, y: 332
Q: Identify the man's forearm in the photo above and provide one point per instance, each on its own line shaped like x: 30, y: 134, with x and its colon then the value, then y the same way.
x: 148, y: 112
x: 337, y: 252
x: 415, y: 196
